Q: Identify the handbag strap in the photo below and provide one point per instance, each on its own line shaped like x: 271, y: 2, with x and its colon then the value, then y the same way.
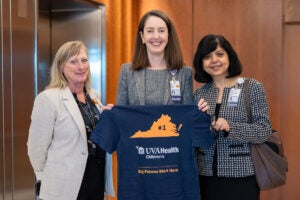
x: 275, y: 137
x: 247, y: 100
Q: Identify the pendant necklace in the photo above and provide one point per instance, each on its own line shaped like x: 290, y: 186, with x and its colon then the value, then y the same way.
x: 89, y: 116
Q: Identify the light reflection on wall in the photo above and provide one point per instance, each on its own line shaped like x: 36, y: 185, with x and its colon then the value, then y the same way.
x: 43, y: 74
x: 98, y: 73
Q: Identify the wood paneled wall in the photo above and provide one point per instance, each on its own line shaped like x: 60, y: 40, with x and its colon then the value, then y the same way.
x: 290, y: 95
x: 254, y: 30
x: 289, y: 109
x: 267, y: 46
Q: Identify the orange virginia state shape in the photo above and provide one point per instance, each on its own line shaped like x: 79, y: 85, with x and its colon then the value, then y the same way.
x: 163, y: 127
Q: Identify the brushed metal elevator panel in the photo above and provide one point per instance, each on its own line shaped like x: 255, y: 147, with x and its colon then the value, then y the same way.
x: 84, y: 26
x: 17, y: 94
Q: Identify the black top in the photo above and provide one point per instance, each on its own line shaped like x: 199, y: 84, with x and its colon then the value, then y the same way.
x: 90, y: 115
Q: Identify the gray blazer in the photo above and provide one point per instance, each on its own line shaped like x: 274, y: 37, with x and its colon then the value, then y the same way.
x: 57, y: 144
x: 131, y: 86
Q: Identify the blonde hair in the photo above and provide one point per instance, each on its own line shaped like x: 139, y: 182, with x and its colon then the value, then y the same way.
x: 67, y: 50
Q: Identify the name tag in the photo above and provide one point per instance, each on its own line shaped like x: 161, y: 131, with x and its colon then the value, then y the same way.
x: 175, y: 91
x: 233, y: 97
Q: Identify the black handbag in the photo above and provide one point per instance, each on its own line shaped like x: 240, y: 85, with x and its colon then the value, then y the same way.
x: 270, y: 163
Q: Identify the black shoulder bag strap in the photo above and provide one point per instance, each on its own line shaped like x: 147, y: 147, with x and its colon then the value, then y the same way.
x: 272, y: 145
x: 247, y: 100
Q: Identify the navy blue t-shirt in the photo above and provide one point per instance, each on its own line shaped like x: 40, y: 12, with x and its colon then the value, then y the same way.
x: 155, y: 151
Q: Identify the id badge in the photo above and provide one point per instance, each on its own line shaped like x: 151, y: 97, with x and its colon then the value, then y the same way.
x: 233, y: 97
x: 175, y: 91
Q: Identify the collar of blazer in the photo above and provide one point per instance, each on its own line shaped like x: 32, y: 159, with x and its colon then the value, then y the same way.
x: 69, y: 101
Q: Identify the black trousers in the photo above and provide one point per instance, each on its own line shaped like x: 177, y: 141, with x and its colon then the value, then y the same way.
x: 222, y: 188
x: 93, y: 183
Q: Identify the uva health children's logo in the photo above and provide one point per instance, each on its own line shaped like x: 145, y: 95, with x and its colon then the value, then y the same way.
x: 163, y: 127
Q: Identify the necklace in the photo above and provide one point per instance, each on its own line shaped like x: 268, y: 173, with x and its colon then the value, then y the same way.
x: 89, y: 116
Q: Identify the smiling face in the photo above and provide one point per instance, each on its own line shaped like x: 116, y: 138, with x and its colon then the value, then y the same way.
x: 76, y: 69
x: 216, y: 63
x: 155, y: 35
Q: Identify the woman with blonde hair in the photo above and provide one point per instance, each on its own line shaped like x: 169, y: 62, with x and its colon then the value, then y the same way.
x: 65, y: 162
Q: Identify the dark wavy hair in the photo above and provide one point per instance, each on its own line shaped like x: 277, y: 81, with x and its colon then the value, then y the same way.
x: 173, y: 54
x: 208, y: 44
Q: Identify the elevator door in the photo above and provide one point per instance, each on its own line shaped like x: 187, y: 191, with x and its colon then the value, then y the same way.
x: 63, y: 21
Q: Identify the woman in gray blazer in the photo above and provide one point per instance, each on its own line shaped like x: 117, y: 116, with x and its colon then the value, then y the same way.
x: 157, y: 75
x: 65, y: 162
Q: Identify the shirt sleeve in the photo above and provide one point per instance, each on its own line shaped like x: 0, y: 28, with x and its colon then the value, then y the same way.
x: 260, y: 129
x: 122, y: 92
x: 105, y: 133
x: 202, y: 136
x: 40, y: 133
x: 187, y: 94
